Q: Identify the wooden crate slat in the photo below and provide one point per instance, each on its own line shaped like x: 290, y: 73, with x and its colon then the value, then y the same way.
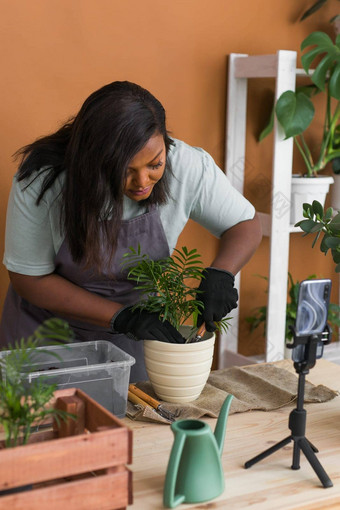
x: 106, y: 492
x: 64, y: 457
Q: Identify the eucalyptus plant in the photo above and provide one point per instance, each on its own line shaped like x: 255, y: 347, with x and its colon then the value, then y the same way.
x: 324, y: 225
x: 295, y: 110
x: 167, y: 285
x: 24, y: 407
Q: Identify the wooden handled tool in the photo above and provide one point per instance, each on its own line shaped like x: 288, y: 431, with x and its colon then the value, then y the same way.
x: 150, y: 401
x: 136, y: 400
x: 200, y: 332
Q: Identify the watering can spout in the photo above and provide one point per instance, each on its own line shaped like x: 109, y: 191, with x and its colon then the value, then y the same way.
x: 222, y: 423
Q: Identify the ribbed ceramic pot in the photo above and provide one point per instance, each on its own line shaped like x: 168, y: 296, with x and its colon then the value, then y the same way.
x: 178, y: 372
x: 307, y: 189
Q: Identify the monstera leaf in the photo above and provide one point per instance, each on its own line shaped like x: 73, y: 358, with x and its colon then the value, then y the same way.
x: 329, y: 66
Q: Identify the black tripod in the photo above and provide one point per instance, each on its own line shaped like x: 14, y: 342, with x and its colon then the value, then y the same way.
x: 297, y: 418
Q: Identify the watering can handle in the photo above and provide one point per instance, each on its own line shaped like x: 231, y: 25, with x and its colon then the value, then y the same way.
x: 170, y: 500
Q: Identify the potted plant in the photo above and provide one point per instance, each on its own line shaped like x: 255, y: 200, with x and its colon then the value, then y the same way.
x: 295, y: 112
x: 20, y: 406
x: 178, y: 372
x: 322, y: 223
x: 38, y: 454
x: 259, y: 316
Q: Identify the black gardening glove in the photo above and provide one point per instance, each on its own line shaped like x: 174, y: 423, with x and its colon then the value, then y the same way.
x: 142, y: 325
x: 218, y: 295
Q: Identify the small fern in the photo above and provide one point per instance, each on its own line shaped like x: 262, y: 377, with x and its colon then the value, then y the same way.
x: 24, y: 407
x: 167, y: 286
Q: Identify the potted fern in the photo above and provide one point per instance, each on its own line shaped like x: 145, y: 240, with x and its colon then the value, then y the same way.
x: 178, y: 372
x: 53, y: 440
x: 23, y: 408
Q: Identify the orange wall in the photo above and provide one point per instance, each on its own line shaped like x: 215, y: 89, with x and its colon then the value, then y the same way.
x: 56, y: 52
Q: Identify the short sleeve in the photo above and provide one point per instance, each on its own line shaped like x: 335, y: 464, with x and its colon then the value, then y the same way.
x: 218, y: 206
x: 29, y: 247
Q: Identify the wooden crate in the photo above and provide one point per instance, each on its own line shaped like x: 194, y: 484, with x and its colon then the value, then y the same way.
x: 79, y: 467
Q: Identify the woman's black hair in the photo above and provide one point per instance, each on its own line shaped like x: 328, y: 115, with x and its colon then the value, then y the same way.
x: 94, y: 150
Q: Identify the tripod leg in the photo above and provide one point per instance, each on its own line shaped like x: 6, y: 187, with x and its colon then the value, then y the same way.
x: 314, y: 448
x: 303, y: 443
x: 268, y: 452
x: 296, y: 456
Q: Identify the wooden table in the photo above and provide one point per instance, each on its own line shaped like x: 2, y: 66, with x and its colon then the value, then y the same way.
x: 270, y: 484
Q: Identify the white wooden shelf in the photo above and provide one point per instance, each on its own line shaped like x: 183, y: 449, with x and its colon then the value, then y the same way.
x: 281, y: 67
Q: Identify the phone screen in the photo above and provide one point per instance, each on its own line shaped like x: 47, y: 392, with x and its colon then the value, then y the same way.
x: 312, y: 309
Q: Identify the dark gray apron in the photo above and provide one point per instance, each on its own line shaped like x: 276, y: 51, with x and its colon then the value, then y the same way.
x: 20, y: 318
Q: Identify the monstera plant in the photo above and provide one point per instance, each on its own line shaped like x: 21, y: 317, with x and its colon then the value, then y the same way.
x: 295, y: 109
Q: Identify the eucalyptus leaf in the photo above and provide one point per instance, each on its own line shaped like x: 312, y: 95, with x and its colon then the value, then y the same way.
x: 306, y: 225
x: 332, y: 242
x: 317, y: 208
x: 334, y: 225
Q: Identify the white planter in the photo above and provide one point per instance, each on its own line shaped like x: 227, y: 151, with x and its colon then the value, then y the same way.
x: 307, y: 189
x: 178, y: 372
x: 335, y: 194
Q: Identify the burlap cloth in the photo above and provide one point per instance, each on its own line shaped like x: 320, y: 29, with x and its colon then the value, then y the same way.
x: 263, y: 387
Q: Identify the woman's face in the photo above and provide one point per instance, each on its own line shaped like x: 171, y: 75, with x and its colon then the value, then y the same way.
x: 145, y: 169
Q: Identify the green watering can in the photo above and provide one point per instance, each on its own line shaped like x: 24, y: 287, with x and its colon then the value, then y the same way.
x: 194, y: 473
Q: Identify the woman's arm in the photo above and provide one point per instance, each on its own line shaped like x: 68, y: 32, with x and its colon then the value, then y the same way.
x: 64, y: 298
x: 238, y: 244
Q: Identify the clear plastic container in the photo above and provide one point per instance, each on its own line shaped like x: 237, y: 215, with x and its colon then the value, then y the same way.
x: 99, y: 368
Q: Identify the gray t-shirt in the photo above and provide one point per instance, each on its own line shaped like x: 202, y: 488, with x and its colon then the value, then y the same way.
x: 199, y: 190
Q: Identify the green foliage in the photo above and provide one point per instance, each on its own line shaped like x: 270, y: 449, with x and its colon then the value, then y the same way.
x: 166, y: 285
x: 313, y: 8
x: 22, y: 407
x: 260, y: 313
x: 325, y: 226
x: 295, y: 111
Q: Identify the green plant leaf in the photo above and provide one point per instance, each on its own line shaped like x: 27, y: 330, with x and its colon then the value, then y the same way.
x: 320, y: 73
x: 320, y: 39
x: 328, y: 214
x: 308, y: 58
x: 317, y: 208
x: 332, y: 242
x: 336, y: 165
x: 269, y: 127
x: 315, y: 7
x: 306, y: 225
x: 334, y: 225
x: 295, y: 112
x: 334, y: 83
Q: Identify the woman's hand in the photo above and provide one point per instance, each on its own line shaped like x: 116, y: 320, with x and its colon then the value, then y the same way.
x: 218, y: 295
x: 142, y: 325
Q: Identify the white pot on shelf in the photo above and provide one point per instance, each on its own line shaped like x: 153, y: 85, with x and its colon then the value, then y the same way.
x: 178, y: 372
x: 307, y: 189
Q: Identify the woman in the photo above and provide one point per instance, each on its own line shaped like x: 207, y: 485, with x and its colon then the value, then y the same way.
x: 109, y: 179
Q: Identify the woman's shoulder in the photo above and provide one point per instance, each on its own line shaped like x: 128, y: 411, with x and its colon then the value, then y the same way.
x: 182, y: 150
x: 31, y: 186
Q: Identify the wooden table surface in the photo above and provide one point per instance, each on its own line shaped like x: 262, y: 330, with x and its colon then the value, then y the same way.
x: 270, y: 484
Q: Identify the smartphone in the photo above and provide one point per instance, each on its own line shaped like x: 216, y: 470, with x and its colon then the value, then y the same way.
x: 312, y: 307
x: 312, y: 313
